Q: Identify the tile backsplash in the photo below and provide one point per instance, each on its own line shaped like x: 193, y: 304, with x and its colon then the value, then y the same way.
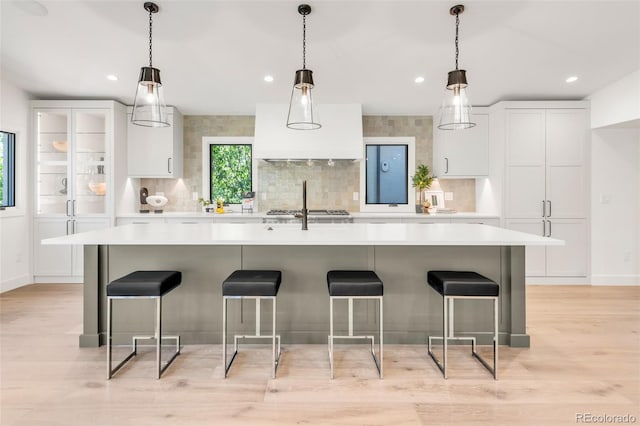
x: 329, y: 187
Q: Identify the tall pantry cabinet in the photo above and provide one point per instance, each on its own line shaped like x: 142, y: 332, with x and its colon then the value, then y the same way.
x: 546, y: 187
x: 76, y: 174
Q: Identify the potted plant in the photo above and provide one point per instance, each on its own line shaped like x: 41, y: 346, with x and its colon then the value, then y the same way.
x: 422, y: 180
x: 205, y: 203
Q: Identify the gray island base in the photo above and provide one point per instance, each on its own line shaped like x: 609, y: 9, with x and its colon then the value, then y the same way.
x: 401, y: 255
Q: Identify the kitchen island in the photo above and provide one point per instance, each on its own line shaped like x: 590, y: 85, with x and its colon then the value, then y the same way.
x: 401, y: 254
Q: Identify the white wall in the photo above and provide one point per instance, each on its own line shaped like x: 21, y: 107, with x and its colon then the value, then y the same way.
x: 15, y: 223
x: 615, y: 206
x: 617, y: 103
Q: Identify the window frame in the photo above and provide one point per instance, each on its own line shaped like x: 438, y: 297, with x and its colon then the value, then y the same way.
x: 207, y: 141
x: 13, y: 176
x: 410, y: 142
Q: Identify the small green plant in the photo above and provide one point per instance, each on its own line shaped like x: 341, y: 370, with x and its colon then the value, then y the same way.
x: 422, y: 179
x: 204, y: 202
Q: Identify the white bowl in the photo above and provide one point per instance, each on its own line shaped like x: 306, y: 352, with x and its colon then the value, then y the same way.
x: 157, y: 200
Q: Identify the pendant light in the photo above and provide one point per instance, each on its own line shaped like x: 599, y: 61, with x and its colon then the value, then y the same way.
x: 302, y: 110
x: 149, y: 108
x: 455, y: 113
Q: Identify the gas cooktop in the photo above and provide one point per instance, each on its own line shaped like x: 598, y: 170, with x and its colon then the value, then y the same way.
x: 277, y: 212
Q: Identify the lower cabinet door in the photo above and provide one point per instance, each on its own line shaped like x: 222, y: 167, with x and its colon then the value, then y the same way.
x: 535, y: 257
x: 51, y: 260
x: 569, y: 260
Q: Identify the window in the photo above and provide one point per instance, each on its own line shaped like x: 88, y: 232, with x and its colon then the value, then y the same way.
x: 228, y: 168
x: 7, y: 169
x: 385, y: 175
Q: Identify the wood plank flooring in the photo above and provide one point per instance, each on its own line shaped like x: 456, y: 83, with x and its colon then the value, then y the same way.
x: 584, y: 358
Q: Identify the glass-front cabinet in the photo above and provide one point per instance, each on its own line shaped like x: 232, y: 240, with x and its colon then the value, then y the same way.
x: 76, y: 143
x: 72, y: 161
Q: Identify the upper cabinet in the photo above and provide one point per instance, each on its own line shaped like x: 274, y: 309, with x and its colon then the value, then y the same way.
x: 340, y: 136
x: 463, y: 153
x: 155, y: 152
x: 74, y: 156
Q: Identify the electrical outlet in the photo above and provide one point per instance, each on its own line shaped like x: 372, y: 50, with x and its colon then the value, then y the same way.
x: 448, y: 196
x: 356, y: 196
x: 605, y: 198
x: 264, y: 195
x: 160, y: 193
x: 627, y: 256
x: 194, y: 195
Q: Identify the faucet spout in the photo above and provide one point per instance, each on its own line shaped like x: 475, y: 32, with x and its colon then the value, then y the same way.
x: 304, y: 206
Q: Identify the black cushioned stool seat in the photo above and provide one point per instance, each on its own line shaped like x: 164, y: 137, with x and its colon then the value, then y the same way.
x: 354, y: 283
x: 143, y: 285
x: 251, y: 284
x: 350, y: 285
x: 462, y: 283
x: 452, y: 285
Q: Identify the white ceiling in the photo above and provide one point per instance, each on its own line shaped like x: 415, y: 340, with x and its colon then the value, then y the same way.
x: 213, y: 55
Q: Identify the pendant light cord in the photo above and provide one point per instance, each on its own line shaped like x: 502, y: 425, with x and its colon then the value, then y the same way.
x: 457, y: 50
x: 150, y: 42
x: 304, y: 42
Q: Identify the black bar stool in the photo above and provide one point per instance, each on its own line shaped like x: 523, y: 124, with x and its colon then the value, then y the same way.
x: 142, y: 285
x: 251, y: 284
x: 452, y: 285
x: 352, y: 285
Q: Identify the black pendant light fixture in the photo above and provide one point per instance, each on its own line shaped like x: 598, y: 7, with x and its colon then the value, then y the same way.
x: 149, y: 108
x: 455, y: 113
x: 302, y: 110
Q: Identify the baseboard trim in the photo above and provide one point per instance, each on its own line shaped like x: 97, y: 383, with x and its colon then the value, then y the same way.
x: 46, y: 279
x: 557, y: 281
x: 605, y: 280
x: 15, y: 283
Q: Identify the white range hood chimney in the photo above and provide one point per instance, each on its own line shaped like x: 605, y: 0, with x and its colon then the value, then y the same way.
x: 340, y: 136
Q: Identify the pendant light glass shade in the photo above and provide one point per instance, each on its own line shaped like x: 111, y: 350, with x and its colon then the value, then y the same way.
x: 149, y: 108
x: 303, y: 114
x: 302, y: 110
x: 455, y: 113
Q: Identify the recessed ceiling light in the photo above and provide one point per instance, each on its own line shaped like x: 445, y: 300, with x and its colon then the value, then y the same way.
x: 571, y: 79
x: 419, y: 79
x: 268, y: 78
x: 112, y: 77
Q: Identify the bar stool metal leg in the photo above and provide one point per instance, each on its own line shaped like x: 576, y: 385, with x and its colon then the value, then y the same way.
x: 275, y: 338
x: 331, y: 338
x: 157, y: 336
x: 448, y: 334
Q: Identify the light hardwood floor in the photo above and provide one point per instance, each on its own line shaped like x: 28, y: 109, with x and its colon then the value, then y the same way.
x: 584, y: 358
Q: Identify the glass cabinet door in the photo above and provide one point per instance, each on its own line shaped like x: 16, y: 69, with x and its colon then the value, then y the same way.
x: 89, y: 160
x: 53, y: 159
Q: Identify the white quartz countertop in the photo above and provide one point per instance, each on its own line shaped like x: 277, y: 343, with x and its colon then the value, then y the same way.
x: 461, y: 215
x: 349, y: 234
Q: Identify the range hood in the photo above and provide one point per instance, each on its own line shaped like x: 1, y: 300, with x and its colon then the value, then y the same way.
x: 340, y: 136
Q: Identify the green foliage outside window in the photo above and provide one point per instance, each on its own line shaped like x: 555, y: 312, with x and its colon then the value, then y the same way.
x: 230, y: 172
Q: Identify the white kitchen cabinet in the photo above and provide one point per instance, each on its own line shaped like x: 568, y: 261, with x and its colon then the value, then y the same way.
x: 155, y: 152
x: 377, y: 220
x: 546, y: 183
x: 569, y: 260
x: 147, y: 219
x: 463, y: 153
x: 61, y: 263
x: 546, y: 167
x: 189, y: 220
x: 246, y: 218
x: 75, y: 143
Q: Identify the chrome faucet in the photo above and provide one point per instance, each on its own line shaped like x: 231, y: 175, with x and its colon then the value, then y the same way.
x: 304, y: 206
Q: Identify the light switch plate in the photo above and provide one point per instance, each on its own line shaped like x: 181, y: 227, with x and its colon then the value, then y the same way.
x: 194, y: 195
x: 356, y: 196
